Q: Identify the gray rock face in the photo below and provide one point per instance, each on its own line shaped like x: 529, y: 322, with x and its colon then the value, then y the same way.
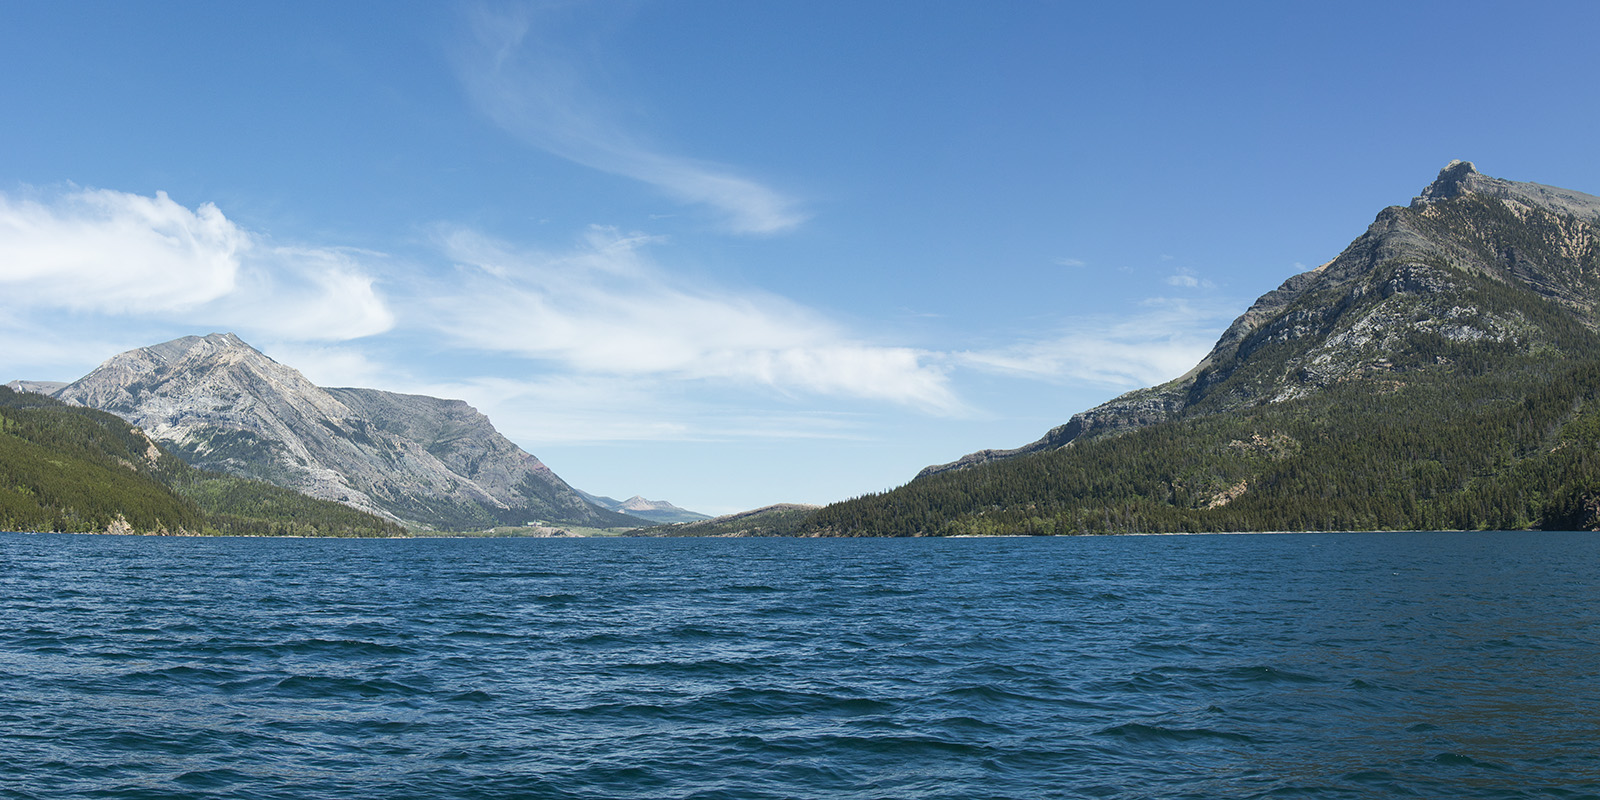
x: 1417, y: 272
x: 222, y: 405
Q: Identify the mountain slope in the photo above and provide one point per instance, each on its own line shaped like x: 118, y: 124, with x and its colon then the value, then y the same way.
x: 221, y: 405
x: 73, y: 469
x: 1429, y: 344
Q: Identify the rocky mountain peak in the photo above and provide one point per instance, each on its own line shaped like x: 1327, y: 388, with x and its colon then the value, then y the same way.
x: 216, y: 348
x: 1454, y: 180
x: 1460, y: 178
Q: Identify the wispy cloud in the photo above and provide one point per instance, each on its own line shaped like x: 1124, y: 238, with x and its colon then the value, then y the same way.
x: 108, y: 253
x: 523, y: 78
x: 1187, y: 279
x: 308, y: 293
x: 604, y: 308
x: 597, y: 409
x: 1158, y: 344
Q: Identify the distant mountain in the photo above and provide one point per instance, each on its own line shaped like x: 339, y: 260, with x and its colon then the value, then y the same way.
x: 221, y: 405
x: 783, y: 519
x: 36, y: 387
x: 1443, y: 371
x: 70, y: 469
x: 653, y: 510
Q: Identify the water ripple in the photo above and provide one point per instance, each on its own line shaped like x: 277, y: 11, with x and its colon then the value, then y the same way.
x: 1315, y: 666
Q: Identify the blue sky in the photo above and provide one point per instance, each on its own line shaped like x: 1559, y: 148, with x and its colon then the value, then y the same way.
x: 728, y: 253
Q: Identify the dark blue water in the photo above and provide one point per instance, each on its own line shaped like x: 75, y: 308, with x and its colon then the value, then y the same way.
x: 1309, y: 666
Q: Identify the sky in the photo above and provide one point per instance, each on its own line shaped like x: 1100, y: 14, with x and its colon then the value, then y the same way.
x: 728, y: 254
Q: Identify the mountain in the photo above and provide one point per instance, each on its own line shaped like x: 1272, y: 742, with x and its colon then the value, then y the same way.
x: 70, y: 469
x: 783, y: 519
x: 1396, y: 282
x: 653, y: 510
x: 1442, y: 371
x: 221, y: 405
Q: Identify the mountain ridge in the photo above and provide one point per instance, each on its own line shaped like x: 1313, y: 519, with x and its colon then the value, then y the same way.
x: 658, y: 511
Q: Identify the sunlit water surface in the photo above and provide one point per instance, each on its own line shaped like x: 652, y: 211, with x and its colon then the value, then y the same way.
x: 1310, y: 666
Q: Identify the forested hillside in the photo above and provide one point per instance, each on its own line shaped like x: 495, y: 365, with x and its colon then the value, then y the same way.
x: 1446, y: 452
x: 71, y: 469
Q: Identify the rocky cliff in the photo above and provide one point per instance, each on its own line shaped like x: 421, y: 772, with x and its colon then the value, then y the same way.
x: 1371, y: 309
x: 222, y: 405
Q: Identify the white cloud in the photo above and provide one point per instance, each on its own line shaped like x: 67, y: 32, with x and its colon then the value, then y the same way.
x: 518, y: 75
x: 1145, y: 349
x: 1071, y: 262
x: 1186, y: 279
x: 306, y: 293
x: 113, y: 254
x: 604, y: 309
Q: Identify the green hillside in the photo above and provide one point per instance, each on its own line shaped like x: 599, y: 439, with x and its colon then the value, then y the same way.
x: 1515, y: 448
x: 71, y: 469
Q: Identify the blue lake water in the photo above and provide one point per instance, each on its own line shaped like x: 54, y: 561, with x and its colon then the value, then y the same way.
x: 1304, y: 665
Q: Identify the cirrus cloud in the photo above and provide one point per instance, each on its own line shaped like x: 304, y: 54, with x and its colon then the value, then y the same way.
x: 522, y: 77
x: 1153, y: 346
x: 603, y: 308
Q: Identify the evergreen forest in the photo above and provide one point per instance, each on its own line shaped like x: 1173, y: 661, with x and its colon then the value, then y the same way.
x: 70, y: 469
x: 1515, y: 447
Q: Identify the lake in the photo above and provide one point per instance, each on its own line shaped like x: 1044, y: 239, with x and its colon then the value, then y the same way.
x: 1455, y: 665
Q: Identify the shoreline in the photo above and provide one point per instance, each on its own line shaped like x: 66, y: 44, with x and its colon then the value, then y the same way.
x: 626, y: 536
